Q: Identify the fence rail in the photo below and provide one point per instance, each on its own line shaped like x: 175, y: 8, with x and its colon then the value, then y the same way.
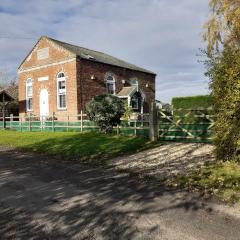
x: 188, y: 125
x: 73, y: 123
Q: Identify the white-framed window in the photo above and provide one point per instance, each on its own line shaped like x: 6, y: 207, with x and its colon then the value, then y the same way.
x: 110, y: 84
x: 136, y: 101
x: 29, y: 95
x: 134, y: 81
x: 61, y: 91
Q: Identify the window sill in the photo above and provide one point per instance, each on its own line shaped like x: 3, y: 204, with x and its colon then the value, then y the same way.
x: 61, y: 109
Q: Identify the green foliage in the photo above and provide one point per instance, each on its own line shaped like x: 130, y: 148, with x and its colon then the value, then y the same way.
x: 190, y: 109
x: 221, y: 179
x: 127, y: 111
x: 224, y: 73
x: 192, y: 102
x: 106, y: 110
x: 80, y: 146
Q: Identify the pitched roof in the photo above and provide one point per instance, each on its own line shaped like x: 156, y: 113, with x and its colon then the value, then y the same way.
x: 96, y: 56
x: 11, y: 91
x: 7, y: 96
x: 127, y: 91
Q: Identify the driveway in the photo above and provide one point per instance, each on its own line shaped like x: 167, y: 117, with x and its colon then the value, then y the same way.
x: 45, y: 199
x: 166, y: 161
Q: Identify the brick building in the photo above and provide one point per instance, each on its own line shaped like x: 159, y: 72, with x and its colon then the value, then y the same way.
x: 60, y: 78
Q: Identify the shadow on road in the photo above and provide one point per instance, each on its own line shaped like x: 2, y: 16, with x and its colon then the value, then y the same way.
x: 44, y: 199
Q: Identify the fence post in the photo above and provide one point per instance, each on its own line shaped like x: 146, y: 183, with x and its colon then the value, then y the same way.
x: 135, y: 127
x: 11, y: 120
x: 153, y: 123
x: 142, y: 116
x: 117, y: 129
x: 20, y: 121
x: 68, y: 123
x: 81, y: 121
x: 29, y: 123
x: 53, y: 115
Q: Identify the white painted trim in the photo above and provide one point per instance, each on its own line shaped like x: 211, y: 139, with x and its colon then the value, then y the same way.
x: 40, y: 79
x: 58, y: 93
x: 47, y: 65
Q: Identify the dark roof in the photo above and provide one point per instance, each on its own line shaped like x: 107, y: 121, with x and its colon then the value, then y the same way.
x: 7, y: 96
x: 92, y: 55
x: 11, y: 91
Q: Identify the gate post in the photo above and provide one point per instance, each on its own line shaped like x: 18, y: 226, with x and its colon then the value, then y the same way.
x: 153, y: 122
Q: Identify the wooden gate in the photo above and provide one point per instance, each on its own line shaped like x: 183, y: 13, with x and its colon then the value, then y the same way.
x: 186, y: 125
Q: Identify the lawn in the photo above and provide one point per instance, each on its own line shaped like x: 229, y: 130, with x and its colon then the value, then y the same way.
x: 220, y: 179
x: 80, y: 146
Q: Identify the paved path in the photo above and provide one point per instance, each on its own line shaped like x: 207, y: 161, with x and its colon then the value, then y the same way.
x: 42, y: 199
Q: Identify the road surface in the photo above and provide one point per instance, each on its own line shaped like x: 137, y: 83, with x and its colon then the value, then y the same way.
x: 46, y: 199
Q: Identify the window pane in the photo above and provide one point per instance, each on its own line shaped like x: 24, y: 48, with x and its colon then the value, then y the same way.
x: 110, y: 78
x: 29, y: 91
x: 29, y: 103
x: 62, y: 101
x: 110, y: 88
x: 61, y: 85
x: 134, y: 103
x: 60, y: 75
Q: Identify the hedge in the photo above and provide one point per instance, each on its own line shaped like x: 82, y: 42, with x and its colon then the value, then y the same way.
x: 181, y: 106
x: 192, y: 102
x: 224, y: 73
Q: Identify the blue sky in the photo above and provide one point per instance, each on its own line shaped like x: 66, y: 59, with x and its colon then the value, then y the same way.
x: 161, y: 35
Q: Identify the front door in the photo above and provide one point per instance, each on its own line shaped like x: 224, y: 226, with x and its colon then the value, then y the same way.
x: 44, y: 107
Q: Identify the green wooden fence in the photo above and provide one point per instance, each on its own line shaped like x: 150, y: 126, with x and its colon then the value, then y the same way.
x: 186, y: 125
x: 181, y: 125
x: 73, y: 123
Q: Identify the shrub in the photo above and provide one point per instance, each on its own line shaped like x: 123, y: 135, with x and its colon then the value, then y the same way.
x: 106, y: 111
x: 185, y: 108
x: 224, y: 73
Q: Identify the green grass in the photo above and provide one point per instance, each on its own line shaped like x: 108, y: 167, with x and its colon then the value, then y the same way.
x: 80, y: 146
x: 220, y: 179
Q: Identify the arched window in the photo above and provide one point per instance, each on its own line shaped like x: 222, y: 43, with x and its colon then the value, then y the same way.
x: 134, y: 81
x: 136, y: 101
x: 110, y: 84
x: 61, y: 91
x: 29, y: 95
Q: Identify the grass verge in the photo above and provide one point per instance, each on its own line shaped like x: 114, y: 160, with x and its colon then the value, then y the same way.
x: 80, y: 146
x: 220, y: 179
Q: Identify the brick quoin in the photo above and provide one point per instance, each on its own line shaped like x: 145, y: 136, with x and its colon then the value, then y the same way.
x: 80, y: 86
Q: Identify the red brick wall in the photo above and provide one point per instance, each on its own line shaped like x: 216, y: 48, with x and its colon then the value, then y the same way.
x: 79, y: 85
x: 56, y: 53
x: 69, y: 68
x: 90, y: 88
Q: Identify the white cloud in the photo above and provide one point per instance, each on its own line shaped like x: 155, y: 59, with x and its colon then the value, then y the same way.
x: 161, y: 35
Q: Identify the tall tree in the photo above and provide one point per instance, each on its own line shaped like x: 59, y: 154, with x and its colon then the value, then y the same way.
x: 222, y: 34
x: 223, y: 25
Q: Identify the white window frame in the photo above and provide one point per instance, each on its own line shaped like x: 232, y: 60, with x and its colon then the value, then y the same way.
x: 61, y: 92
x: 29, y: 95
x: 112, y: 81
x: 136, y: 98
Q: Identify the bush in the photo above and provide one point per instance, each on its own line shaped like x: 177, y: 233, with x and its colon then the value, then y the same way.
x: 224, y: 73
x: 106, y: 111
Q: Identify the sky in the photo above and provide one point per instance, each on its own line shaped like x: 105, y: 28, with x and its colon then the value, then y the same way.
x: 161, y: 35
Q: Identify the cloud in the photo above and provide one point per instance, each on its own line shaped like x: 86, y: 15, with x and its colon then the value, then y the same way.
x: 161, y: 35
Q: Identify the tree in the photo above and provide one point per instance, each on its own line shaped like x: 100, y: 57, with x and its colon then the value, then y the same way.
x: 222, y: 35
x: 224, y: 74
x: 106, y: 111
x: 223, y: 25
